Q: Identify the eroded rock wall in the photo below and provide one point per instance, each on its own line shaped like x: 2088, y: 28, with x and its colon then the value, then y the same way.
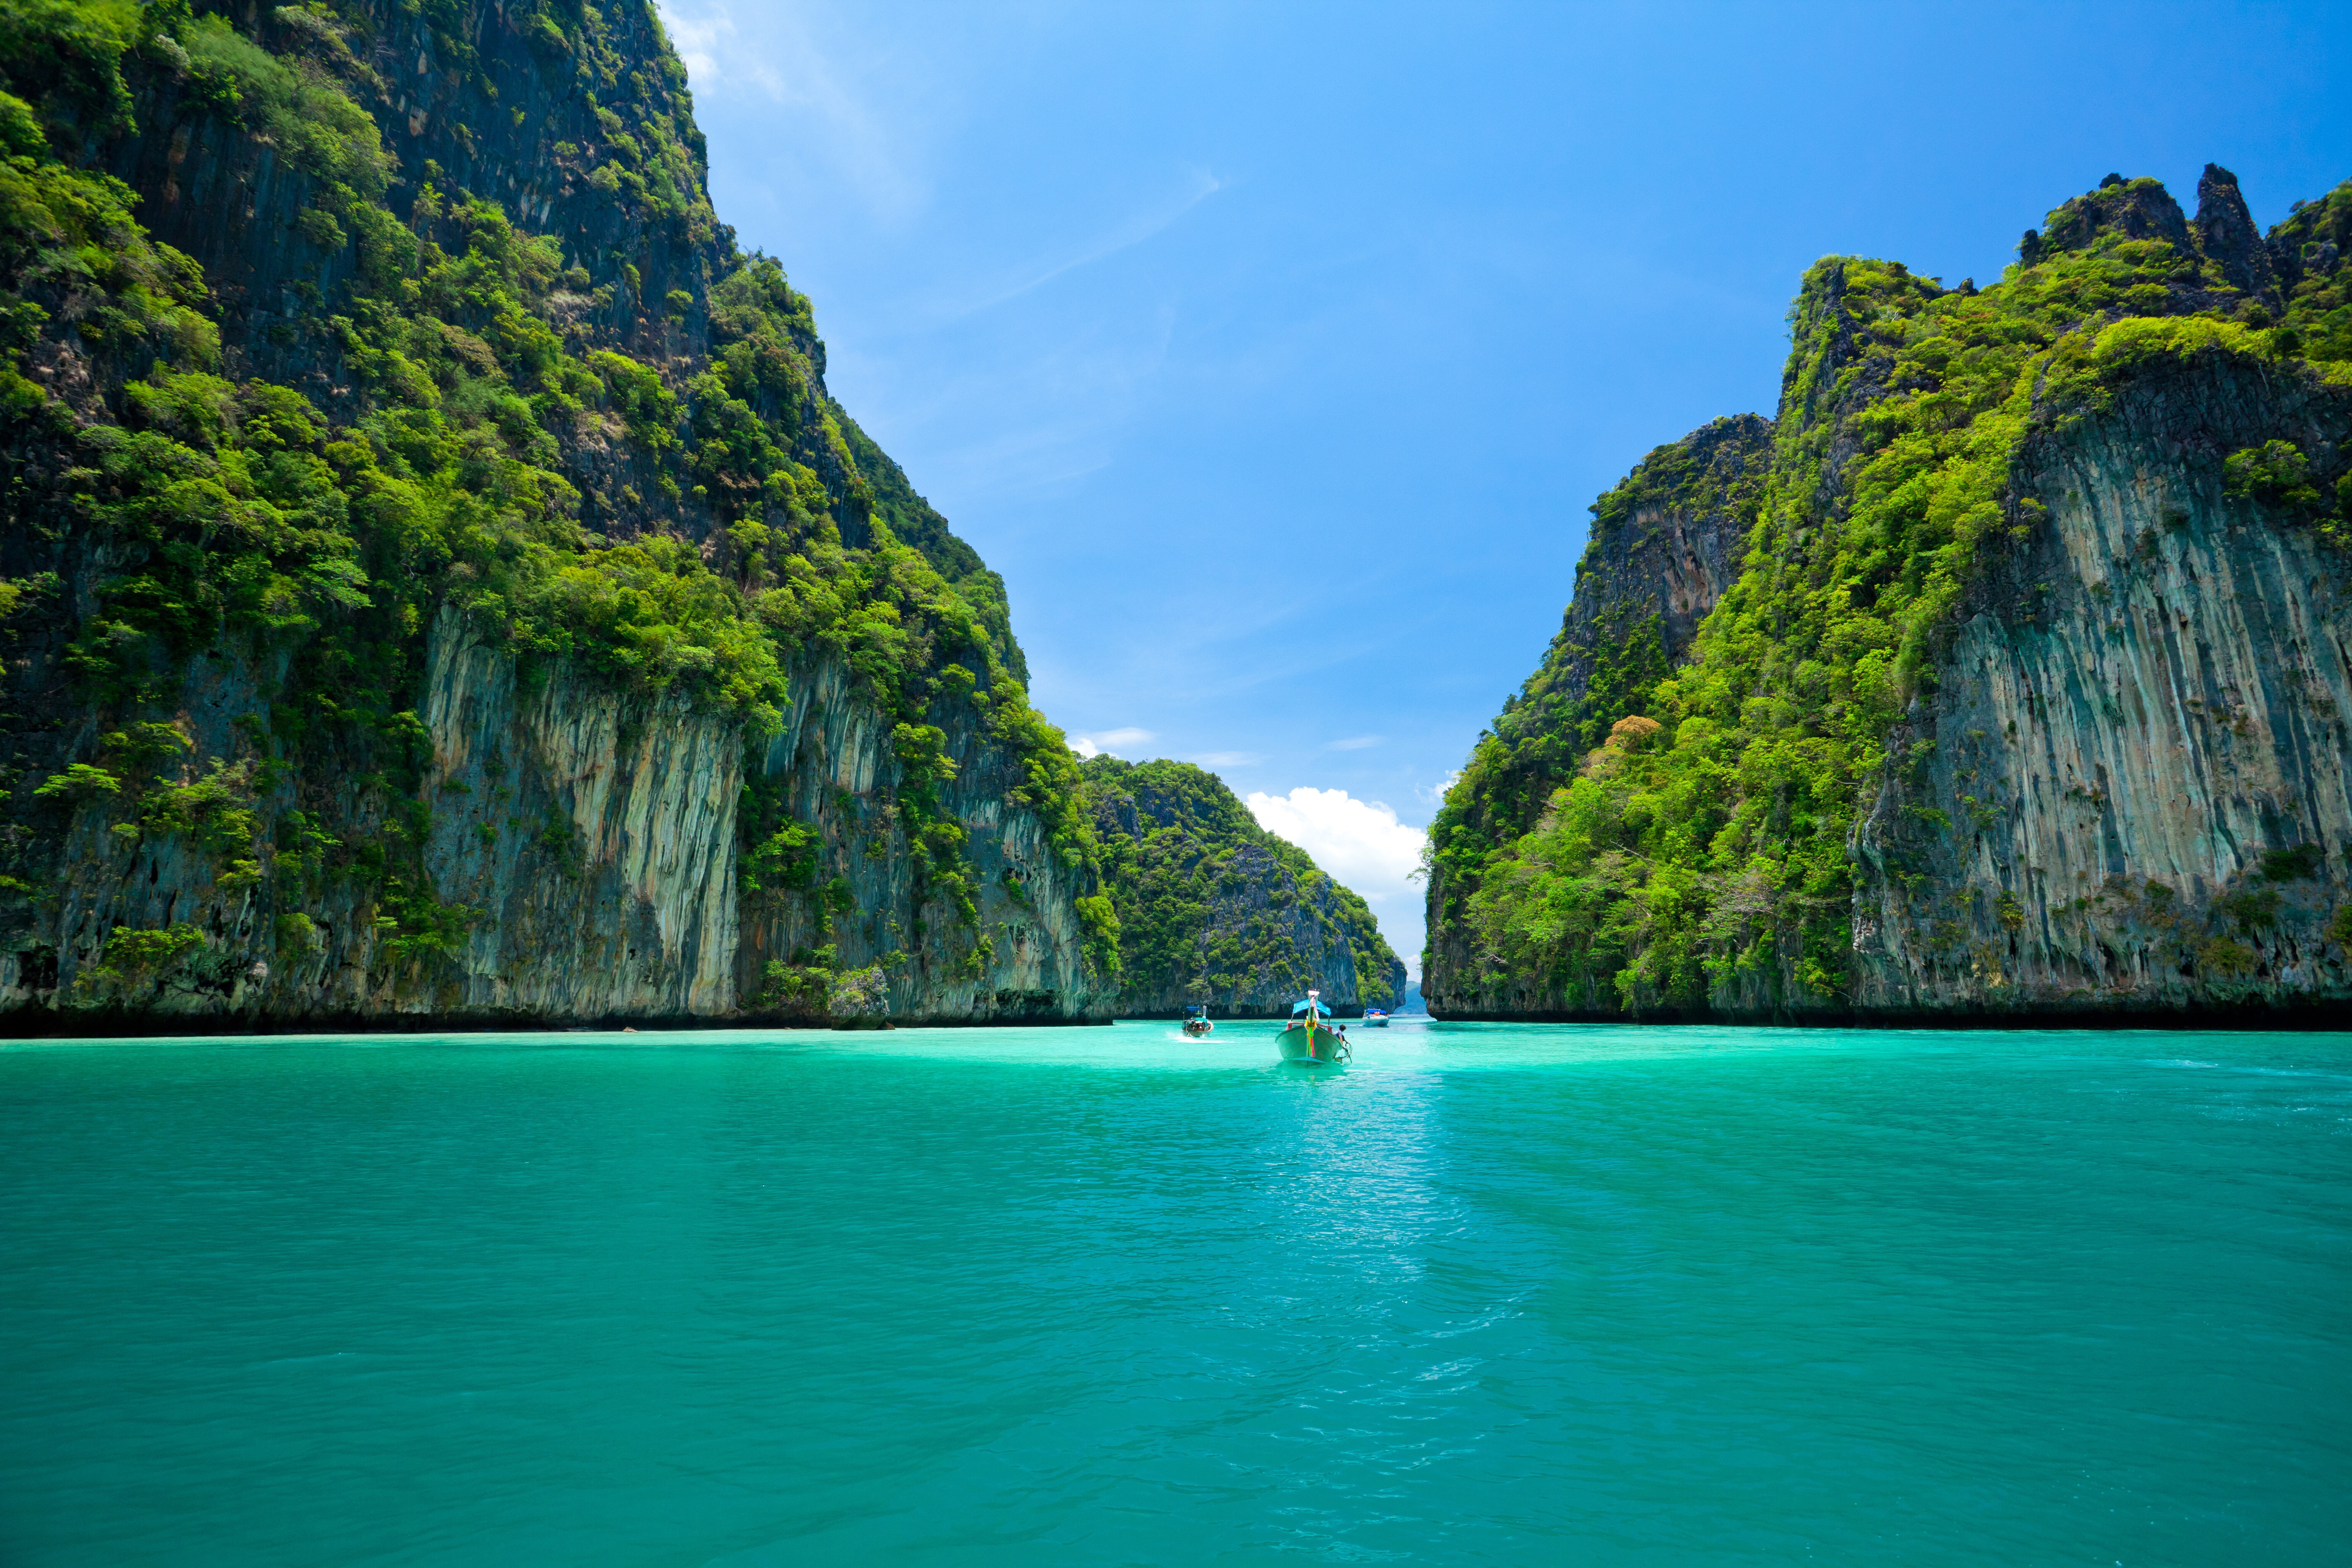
x: 2128, y: 790
x: 840, y: 775
x: 588, y: 840
x: 590, y: 845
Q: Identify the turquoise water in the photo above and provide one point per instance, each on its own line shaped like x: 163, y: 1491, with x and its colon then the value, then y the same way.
x: 1507, y: 1294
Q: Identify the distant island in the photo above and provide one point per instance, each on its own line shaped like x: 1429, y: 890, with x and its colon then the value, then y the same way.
x: 1216, y: 911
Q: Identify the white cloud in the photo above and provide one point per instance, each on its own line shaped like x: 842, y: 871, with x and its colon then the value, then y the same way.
x: 1360, y: 842
x: 1353, y: 742
x: 1100, y: 745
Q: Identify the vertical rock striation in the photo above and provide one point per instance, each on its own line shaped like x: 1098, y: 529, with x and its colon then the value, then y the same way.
x: 836, y: 771
x: 2128, y: 792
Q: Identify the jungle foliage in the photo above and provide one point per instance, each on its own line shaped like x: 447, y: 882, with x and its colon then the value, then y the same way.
x: 1612, y: 648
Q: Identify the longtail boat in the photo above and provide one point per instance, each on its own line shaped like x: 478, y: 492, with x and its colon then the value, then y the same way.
x: 1309, y: 1039
x: 1196, y: 1022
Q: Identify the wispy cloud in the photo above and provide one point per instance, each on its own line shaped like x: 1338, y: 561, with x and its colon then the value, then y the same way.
x: 1226, y: 758
x: 782, y: 59
x: 1077, y: 394
x: 1354, y: 743
x: 1435, y: 795
x: 1100, y: 745
x: 1195, y: 186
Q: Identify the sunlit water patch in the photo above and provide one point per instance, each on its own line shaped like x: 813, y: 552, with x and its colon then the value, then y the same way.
x: 1502, y: 1294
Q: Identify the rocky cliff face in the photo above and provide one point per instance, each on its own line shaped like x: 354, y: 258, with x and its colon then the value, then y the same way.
x: 1665, y: 544
x: 592, y: 842
x: 439, y: 586
x: 1023, y: 957
x: 1216, y: 911
x: 2028, y: 701
x: 2128, y: 792
x: 594, y: 848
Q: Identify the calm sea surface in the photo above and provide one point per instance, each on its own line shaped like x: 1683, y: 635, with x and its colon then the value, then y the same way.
x: 1507, y: 1294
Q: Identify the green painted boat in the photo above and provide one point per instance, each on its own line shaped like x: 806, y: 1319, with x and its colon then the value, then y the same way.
x: 1309, y: 1040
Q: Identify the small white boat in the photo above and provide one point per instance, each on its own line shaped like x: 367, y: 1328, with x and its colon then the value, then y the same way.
x: 1375, y: 1019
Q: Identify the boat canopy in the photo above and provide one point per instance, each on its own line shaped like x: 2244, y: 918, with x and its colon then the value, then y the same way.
x: 1198, y: 1011
x: 1305, y: 1002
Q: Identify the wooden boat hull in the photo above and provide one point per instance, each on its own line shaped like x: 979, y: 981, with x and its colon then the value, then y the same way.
x: 1316, y: 1046
x: 1196, y: 1027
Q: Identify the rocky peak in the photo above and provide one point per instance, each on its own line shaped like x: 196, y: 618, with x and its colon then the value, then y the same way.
x: 2136, y: 209
x: 2311, y: 244
x: 2226, y: 233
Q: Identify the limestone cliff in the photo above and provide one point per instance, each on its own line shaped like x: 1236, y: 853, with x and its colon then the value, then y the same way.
x: 1664, y: 543
x: 438, y: 585
x: 1022, y: 955
x: 2128, y: 792
x: 1214, y: 910
x: 2027, y: 702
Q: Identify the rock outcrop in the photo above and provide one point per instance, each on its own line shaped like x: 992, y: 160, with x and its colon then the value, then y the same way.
x: 1666, y: 542
x: 1665, y: 545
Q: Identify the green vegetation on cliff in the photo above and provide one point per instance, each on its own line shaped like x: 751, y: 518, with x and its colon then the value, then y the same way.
x: 1702, y: 853
x: 609, y: 450
x: 1613, y: 646
x: 1214, y: 909
x: 1625, y: 653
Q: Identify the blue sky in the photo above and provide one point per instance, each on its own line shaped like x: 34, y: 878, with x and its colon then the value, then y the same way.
x: 1273, y: 352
